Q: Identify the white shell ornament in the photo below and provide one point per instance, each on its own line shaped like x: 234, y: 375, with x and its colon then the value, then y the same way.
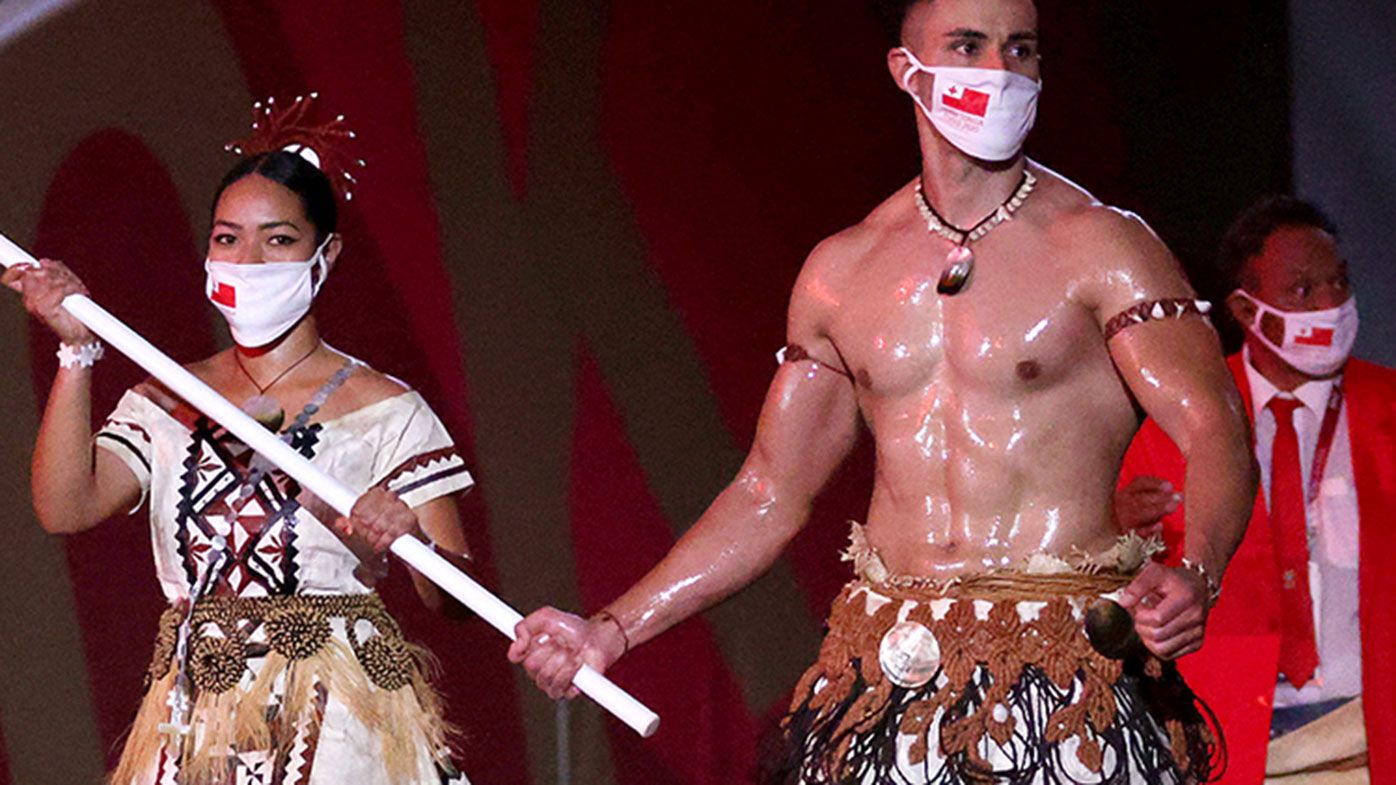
x: 909, y: 655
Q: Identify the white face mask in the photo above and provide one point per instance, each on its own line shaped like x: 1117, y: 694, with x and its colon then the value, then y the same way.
x: 1315, y: 342
x: 262, y: 301
x: 985, y: 112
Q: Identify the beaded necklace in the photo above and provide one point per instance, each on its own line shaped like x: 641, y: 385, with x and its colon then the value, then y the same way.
x: 960, y: 259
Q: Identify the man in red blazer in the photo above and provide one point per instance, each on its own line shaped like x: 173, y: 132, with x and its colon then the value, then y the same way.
x: 1299, y: 659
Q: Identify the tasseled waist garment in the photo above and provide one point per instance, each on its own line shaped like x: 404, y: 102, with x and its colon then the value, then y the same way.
x: 987, y: 678
x: 260, y: 674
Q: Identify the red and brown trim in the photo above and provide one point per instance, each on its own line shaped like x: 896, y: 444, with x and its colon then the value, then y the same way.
x: 1151, y: 310
x: 452, y: 466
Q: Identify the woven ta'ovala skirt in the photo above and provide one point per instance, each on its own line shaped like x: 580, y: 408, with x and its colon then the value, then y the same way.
x: 986, y: 681
x: 298, y: 690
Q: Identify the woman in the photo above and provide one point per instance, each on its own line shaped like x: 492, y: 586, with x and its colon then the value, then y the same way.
x: 275, y: 662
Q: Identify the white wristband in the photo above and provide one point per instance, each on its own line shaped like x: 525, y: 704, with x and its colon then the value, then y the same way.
x: 1213, y: 585
x: 83, y: 356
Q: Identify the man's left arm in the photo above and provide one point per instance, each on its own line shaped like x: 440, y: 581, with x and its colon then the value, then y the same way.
x: 1171, y: 360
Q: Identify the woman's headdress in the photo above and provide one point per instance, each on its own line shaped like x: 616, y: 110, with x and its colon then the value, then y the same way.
x: 276, y: 128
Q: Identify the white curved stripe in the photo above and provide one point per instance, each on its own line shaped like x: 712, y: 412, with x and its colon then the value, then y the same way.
x: 19, y: 16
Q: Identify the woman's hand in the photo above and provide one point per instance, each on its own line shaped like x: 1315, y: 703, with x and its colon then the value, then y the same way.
x: 378, y: 518
x: 44, y: 286
x: 553, y: 646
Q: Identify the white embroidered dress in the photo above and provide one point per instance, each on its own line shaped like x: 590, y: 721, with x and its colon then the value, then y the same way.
x: 264, y: 544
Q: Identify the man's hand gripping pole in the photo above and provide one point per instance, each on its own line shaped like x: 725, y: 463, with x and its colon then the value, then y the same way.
x: 411, y: 550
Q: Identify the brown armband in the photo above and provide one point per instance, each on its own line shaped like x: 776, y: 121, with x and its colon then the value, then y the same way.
x: 1151, y: 310
x: 793, y: 353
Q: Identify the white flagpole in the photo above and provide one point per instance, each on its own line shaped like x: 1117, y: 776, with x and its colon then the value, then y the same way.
x: 411, y: 550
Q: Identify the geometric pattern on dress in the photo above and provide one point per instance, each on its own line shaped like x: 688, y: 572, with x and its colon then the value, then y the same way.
x: 252, y: 768
x: 260, y: 553
x: 297, y: 763
x: 292, y: 766
x: 167, y: 770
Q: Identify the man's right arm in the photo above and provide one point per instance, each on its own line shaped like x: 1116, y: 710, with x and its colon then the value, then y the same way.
x: 807, y: 427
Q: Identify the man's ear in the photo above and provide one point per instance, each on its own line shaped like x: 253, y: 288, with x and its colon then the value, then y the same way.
x: 898, y: 63
x: 1241, y: 309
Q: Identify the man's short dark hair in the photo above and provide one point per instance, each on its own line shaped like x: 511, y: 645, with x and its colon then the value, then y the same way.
x: 892, y: 14
x: 1246, y: 237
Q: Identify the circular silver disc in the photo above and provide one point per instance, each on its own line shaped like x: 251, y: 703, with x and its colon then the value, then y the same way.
x: 909, y: 654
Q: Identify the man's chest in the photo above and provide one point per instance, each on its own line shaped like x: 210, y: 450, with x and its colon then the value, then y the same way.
x: 1015, y: 326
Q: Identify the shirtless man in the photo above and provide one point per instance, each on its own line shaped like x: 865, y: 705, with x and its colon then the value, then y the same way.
x: 1001, y: 402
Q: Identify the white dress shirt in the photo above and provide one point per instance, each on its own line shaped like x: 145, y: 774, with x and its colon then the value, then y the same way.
x: 1333, y: 537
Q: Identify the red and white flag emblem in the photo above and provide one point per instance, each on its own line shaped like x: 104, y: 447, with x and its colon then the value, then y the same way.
x: 226, y: 295
x: 1314, y: 336
x: 966, y: 100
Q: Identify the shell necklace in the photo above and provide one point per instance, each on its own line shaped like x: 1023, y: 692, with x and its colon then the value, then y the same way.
x: 960, y: 259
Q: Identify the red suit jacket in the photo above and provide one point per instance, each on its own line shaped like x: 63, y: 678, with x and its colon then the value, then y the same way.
x: 1236, y: 670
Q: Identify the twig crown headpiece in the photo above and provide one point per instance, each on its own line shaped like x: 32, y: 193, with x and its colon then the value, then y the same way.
x: 276, y: 128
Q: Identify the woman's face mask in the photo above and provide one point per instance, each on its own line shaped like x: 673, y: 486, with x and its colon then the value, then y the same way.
x: 1315, y: 342
x: 985, y: 112
x: 262, y: 301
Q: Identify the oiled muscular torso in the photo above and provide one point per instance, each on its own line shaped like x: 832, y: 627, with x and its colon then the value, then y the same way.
x: 998, y: 416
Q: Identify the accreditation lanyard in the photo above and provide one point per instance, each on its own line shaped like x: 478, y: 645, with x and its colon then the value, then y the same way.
x: 1326, y: 433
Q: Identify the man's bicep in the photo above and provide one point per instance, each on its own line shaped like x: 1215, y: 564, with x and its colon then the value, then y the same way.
x: 1159, y: 334
x: 808, y: 425
x: 1175, y: 370
x: 809, y: 421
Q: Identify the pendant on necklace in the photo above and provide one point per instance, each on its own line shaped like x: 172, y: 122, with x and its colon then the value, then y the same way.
x: 266, y: 411
x: 959, y: 265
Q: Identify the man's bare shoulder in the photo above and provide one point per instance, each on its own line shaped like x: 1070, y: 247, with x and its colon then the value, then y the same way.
x: 1107, y: 245
x: 837, y: 257
x: 830, y: 270
x: 1074, y: 217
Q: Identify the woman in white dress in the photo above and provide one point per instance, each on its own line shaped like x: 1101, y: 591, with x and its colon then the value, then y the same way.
x: 275, y: 663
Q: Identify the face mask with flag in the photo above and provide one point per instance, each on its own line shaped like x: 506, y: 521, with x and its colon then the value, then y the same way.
x: 985, y: 112
x: 262, y: 301
x: 1315, y: 342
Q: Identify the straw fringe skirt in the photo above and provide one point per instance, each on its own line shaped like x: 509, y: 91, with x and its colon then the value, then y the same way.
x: 298, y: 690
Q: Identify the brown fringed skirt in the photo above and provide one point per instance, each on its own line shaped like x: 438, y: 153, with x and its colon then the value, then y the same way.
x: 296, y: 690
x: 988, y: 679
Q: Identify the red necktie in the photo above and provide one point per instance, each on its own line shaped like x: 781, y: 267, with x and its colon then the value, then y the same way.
x: 1298, y: 650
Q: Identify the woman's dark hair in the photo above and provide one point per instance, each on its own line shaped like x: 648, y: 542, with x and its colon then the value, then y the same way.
x: 302, y: 177
x: 1246, y: 237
